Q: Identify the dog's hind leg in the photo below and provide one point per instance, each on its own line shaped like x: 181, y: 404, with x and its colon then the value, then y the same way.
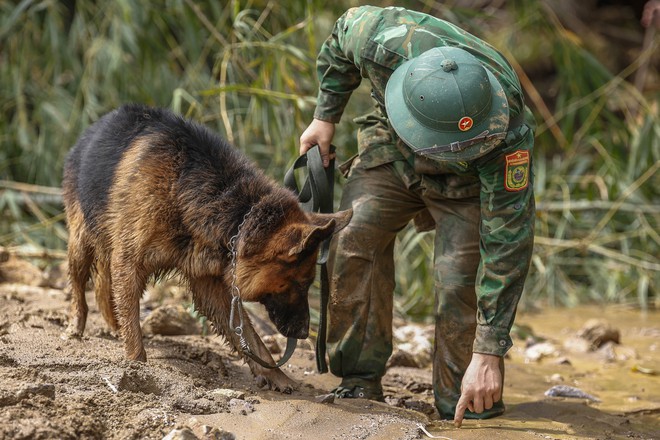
x: 103, y: 292
x: 128, y: 284
x: 212, y: 298
x: 80, y: 253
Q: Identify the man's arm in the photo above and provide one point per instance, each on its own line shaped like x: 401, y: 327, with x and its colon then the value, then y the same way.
x: 507, y: 239
x: 338, y: 74
x: 481, y: 386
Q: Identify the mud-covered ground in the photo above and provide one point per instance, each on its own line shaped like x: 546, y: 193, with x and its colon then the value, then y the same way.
x: 193, y: 387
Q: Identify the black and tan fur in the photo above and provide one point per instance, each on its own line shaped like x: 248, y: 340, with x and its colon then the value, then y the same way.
x: 147, y: 192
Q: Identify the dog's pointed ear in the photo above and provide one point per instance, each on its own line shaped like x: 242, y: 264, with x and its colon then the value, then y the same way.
x: 321, y: 227
x: 341, y: 218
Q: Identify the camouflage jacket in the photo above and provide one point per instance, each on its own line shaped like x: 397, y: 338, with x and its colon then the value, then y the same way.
x: 370, y: 43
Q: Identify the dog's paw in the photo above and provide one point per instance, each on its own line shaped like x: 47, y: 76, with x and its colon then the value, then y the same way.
x: 71, y: 333
x: 75, y: 328
x: 277, y: 382
x: 138, y: 355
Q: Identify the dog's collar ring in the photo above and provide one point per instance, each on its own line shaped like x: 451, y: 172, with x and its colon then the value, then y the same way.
x: 237, y: 306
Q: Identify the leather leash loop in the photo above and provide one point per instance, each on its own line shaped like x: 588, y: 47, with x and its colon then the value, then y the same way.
x: 316, y: 195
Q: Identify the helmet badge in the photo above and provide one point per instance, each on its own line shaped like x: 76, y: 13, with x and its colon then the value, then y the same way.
x: 465, y: 123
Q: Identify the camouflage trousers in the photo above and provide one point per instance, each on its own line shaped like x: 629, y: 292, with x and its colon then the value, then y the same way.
x: 384, y: 199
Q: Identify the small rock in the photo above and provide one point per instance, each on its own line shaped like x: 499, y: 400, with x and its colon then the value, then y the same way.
x: 228, y: 393
x: 576, y: 344
x: 303, y: 344
x: 212, y: 433
x: 556, y: 378
x: 394, y: 401
x: 325, y: 398
x: 570, y: 392
x: 19, y: 271
x: 170, y: 320
x: 418, y: 387
x: 419, y: 406
x: 416, y: 341
x: 538, y: 351
x: 254, y: 400
x: 181, y: 434
x: 402, y: 358
x: 240, y: 406
x: 206, y: 432
x: 598, y: 332
x: 193, y: 405
x: 562, y: 361
x: 612, y: 352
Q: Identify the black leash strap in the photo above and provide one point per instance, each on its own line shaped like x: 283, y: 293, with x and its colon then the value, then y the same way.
x: 316, y: 195
x: 237, y: 310
x: 290, y: 348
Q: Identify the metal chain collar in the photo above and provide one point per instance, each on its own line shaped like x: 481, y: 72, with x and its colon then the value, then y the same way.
x: 236, y: 301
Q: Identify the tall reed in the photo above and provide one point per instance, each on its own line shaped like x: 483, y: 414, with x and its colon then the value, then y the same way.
x: 246, y: 69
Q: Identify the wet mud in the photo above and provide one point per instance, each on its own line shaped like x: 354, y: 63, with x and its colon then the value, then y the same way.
x: 193, y: 386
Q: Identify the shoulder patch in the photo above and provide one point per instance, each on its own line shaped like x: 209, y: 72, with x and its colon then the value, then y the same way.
x: 517, y: 170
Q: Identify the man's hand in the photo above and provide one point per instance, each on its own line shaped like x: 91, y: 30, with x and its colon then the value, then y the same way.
x: 318, y: 133
x: 651, y: 14
x: 481, y: 386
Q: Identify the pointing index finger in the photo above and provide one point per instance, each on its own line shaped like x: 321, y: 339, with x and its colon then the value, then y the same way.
x: 460, y: 410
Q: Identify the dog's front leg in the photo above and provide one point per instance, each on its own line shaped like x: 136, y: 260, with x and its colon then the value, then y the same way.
x: 128, y: 285
x: 213, y: 299
x: 273, y: 378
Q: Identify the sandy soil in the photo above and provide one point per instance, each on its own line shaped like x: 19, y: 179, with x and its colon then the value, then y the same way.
x: 193, y: 387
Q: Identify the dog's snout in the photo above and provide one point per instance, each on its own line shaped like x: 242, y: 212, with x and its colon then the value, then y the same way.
x: 291, y: 320
x: 300, y: 331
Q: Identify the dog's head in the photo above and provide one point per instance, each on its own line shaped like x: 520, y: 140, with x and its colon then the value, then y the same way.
x: 276, y: 268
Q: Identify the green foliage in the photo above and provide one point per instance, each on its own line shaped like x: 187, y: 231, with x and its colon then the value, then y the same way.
x: 246, y: 69
x: 596, y: 173
x: 596, y: 182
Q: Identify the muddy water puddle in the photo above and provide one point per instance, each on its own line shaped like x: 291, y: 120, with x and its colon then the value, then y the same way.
x: 624, y: 378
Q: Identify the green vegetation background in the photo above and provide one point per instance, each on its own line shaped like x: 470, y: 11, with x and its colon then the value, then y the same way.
x: 246, y: 69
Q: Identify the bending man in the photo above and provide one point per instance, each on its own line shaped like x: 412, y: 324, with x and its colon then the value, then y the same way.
x: 448, y: 145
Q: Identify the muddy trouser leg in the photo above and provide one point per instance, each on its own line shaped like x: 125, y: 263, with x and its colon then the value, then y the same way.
x: 456, y: 262
x: 362, y: 275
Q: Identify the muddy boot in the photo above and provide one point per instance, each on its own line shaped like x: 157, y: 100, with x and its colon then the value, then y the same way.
x: 359, y: 389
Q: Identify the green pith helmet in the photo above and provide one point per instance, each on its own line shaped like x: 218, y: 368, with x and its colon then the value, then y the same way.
x: 445, y: 105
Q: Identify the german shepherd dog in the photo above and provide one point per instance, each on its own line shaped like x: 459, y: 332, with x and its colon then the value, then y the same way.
x: 147, y: 192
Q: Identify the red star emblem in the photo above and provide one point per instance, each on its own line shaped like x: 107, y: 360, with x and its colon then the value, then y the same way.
x: 465, y: 123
